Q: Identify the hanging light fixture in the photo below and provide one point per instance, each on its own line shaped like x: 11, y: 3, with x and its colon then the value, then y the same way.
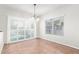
x: 34, y: 15
x: 34, y: 10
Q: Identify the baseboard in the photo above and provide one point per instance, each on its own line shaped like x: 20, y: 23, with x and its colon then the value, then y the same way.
x: 49, y: 40
x: 60, y: 43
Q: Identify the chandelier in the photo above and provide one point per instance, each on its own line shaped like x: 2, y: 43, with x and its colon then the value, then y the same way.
x: 34, y: 15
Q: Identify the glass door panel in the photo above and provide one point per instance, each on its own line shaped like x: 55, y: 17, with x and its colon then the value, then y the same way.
x: 13, y: 35
x: 27, y: 34
x: 21, y: 29
x: 20, y: 34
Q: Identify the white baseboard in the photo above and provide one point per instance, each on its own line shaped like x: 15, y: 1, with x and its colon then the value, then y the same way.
x: 60, y: 43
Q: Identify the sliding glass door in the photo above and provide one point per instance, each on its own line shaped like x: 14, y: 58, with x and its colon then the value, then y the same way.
x: 21, y: 29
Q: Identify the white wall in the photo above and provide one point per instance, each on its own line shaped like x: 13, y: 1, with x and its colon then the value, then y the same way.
x: 71, y: 25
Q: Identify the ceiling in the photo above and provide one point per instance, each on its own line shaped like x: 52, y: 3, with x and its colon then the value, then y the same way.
x: 41, y: 9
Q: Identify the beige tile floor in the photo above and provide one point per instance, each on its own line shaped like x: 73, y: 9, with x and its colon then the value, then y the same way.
x: 38, y: 46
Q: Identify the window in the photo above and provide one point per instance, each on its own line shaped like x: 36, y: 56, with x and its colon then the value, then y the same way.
x: 21, y: 28
x: 55, y: 26
x: 49, y: 26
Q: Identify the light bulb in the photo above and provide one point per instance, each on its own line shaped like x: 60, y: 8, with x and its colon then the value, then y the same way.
x: 37, y: 19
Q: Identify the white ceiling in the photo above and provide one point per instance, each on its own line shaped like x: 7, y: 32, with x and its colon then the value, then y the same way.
x: 41, y: 9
